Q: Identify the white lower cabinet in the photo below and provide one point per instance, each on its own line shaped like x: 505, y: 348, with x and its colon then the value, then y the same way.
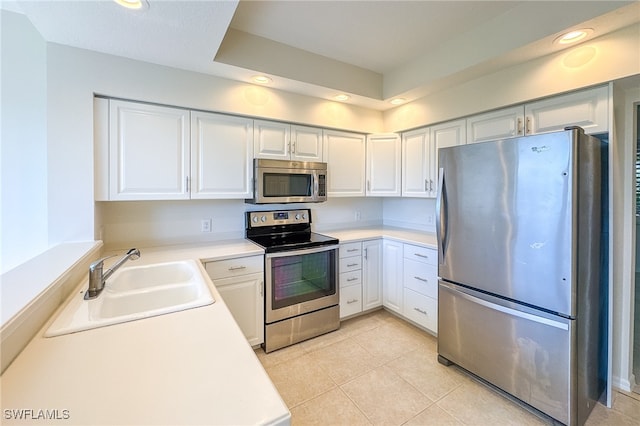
x: 240, y: 282
x: 360, y: 268
x: 350, y: 300
x: 371, y: 274
x: 420, y: 286
x: 392, y: 275
x: 421, y: 309
x: 350, y: 281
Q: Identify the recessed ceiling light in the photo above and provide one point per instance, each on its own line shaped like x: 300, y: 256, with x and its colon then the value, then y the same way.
x: 261, y: 79
x: 133, y: 4
x: 573, y: 36
x: 342, y: 97
x: 397, y: 101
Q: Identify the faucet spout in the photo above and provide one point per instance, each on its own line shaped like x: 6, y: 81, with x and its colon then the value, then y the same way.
x: 97, y: 278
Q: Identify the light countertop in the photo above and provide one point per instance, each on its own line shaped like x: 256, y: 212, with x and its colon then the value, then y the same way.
x: 189, y: 367
x: 426, y: 239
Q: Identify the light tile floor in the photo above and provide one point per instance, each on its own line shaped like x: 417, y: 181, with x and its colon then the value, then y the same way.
x: 378, y: 369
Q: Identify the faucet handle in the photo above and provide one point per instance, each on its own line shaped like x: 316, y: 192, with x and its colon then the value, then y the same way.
x: 98, y: 263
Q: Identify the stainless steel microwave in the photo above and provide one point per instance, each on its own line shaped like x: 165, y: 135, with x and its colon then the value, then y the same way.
x: 281, y: 181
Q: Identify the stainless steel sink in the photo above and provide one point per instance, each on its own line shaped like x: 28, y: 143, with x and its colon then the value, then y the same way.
x: 135, y: 293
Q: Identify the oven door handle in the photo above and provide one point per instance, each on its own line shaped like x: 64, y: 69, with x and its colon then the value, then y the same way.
x: 304, y: 251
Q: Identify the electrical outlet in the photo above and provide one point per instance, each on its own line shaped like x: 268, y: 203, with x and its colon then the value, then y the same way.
x: 358, y: 216
x: 205, y: 225
x: 429, y: 219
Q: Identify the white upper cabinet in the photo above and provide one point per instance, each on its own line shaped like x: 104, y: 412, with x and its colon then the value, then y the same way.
x: 444, y: 135
x: 306, y: 143
x: 149, y: 152
x: 221, y: 156
x: 416, y: 158
x: 344, y: 153
x: 281, y: 141
x: 588, y: 109
x: 383, y: 165
x: 505, y: 123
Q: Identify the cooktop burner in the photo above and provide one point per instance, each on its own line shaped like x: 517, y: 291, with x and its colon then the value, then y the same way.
x: 284, y: 230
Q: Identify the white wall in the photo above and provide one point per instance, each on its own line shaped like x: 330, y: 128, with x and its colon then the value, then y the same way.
x: 623, y: 188
x: 414, y: 213
x: 23, y: 152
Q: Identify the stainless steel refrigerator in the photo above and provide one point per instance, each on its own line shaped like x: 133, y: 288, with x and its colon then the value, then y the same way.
x: 521, y: 298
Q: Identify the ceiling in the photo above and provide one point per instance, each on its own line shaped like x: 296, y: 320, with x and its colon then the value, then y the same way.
x: 370, y: 50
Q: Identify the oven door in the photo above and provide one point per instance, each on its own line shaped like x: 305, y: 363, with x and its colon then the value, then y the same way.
x: 300, y: 281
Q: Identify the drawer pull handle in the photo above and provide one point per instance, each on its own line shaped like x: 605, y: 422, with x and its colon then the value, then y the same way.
x: 421, y: 311
x: 350, y: 265
x: 421, y: 279
x: 237, y: 268
x: 351, y: 301
x: 352, y: 279
x: 350, y: 250
x: 421, y: 255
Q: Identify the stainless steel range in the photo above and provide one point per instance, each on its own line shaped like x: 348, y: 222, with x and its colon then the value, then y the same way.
x: 301, y: 276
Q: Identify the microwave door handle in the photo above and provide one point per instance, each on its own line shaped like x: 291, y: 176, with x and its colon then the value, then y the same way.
x: 316, y: 186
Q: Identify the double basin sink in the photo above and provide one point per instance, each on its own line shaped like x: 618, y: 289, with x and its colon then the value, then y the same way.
x: 135, y: 293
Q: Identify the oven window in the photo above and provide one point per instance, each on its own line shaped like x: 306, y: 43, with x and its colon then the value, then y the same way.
x: 286, y: 185
x: 301, y: 278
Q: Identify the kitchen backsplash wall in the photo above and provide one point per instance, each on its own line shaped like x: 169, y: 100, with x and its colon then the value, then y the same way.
x: 151, y: 223
x: 413, y: 213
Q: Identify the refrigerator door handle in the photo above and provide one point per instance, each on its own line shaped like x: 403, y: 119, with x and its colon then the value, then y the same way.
x: 441, y: 215
x: 508, y: 311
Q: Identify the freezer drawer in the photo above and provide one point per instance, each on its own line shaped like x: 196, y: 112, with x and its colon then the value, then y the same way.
x: 523, y: 353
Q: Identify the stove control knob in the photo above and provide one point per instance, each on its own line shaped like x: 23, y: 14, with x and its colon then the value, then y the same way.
x: 255, y: 219
x: 298, y: 217
x: 263, y: 218
x: 304, y: 216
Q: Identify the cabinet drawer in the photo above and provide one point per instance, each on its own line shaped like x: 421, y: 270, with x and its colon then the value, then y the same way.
x: 421, y: 277
x: 350, y: 300
x: 421, y: 309
x: 350, y: 264
x: 350, y: 278
x: 233, y: 267
x: 350, y: 249
x: 421, y: 254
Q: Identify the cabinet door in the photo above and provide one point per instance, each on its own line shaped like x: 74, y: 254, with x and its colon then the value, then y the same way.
x: 344, y: 154
x: 383, y: 165
x: 392, y: 275
x: 271, y: 140
x: 444, y: 135
x: 243, y: 295
x: 221, y: 156
x: 148, y: 152
x: 306, y: 143
x: 416, y: 155
x: 350, y: 300
x: 588, y: 109
x: 421, y: 309
x: 371, y: 274
x: 505, y: 123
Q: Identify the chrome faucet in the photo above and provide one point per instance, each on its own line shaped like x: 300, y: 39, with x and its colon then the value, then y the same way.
x: 97, y: 279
